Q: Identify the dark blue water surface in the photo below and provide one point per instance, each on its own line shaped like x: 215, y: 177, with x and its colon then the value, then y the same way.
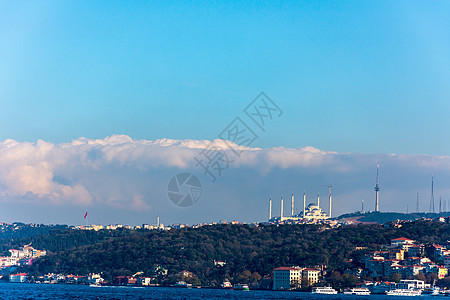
x: 60, y: 291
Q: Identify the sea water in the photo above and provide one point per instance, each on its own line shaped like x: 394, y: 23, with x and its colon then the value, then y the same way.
x: 13, y: 291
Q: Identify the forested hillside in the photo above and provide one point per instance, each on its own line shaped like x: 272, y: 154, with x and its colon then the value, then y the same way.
x: 248, y: 250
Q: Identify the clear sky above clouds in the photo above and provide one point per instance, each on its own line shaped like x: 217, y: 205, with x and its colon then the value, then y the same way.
x: 355, y: 77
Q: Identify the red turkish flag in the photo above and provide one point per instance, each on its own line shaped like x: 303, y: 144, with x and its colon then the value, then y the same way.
x: 85, y: 215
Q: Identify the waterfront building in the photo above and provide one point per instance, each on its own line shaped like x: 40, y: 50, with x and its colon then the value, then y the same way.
x: 287, y: 278
x: 20, y: 277
x: 284, y: 278
x: 411, y: 284
x: 145, y: 281
x: 310, y: 276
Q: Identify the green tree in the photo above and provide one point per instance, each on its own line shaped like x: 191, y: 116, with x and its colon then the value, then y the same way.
x: 396, y: 277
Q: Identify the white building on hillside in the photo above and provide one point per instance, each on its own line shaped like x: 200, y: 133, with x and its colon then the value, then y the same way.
x: 400, y: 242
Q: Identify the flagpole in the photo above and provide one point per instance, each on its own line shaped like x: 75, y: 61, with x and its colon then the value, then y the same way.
x: 86, y: 217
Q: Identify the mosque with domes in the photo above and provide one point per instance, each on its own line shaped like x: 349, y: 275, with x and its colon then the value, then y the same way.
x: 310, y: 214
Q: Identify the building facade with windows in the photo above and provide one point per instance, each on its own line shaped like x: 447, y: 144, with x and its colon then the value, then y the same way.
x: 285, y: 278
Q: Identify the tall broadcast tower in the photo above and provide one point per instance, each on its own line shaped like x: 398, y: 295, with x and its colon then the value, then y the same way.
x: 377, y: 191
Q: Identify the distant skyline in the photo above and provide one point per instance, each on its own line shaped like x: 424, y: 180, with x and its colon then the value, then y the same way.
x: 365, y: 80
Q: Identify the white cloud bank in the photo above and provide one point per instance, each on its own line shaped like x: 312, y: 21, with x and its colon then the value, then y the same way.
x: 118, y: 172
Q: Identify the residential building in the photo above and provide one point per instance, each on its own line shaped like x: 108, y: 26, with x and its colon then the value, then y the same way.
x: 398, y: 254
x: 447, y: 261
x: 415, y: 250
x: 400, y: 242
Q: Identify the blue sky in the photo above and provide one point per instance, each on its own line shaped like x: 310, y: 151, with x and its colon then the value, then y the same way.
x: 351, y: 76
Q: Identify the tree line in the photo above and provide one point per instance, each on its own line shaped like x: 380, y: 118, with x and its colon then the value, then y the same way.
x: 249, y: 252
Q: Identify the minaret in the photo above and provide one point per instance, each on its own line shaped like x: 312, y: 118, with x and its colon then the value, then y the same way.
x: 440, y: 204
x: 292, y: 204
x: 318, y: 200
x: 270, y: 208
x: 329, y: 200
x: 157, y: 221
x: 304, y: 203
x: 281, y: 214
x: 377, y: 191
x: 362, y: 206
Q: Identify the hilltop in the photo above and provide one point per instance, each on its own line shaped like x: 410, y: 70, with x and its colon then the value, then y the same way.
x: 384, y: 217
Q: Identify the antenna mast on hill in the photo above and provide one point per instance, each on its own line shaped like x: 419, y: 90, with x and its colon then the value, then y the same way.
x: 377, y: 191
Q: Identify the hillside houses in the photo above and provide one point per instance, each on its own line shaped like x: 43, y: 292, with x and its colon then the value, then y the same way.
x: 406, y: 257
x: 20, y: 257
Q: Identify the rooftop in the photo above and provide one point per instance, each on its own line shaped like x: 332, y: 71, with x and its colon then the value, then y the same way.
x: 402, y: 239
